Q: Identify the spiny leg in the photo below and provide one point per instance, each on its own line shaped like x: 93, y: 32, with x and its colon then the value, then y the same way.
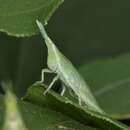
x: 42, y: 74
x: 51, y: 84
x: 63, y: 90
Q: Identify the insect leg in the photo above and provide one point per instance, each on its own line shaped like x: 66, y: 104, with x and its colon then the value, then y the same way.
x: 63, y: 90
x: 72, y: 93
x: 53, y: 81
x: 44, y: 71
x: 79, y: 101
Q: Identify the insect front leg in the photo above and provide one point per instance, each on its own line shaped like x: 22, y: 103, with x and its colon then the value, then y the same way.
x: 45, y: 71
x: 51, y: 84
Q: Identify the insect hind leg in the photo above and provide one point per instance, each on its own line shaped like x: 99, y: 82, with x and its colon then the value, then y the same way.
x: 80, y: 101
x: 63, y: 90
x: 51, y: 84
x: 74, y: 96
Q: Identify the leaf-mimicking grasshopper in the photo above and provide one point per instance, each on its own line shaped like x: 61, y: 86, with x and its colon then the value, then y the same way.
x: 67, y: 73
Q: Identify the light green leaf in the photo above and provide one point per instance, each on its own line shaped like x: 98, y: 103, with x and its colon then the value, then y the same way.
x: 13, y: 119
x: 67, y: 107
x: 18, y: 18
x: 110, y: 82
x: 40, y: 118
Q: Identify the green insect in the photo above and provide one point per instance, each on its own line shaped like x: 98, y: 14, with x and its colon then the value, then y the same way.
x: 66, y: 72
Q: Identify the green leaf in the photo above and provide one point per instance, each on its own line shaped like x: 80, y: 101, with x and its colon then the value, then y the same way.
x: 40, y: 118
x: 71, y: 109
x: 18, y: 18
x: 110, y: 82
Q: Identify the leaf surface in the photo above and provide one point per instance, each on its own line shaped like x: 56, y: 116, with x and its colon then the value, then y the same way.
x: 71, y: 109
x: 41, y: 118
x: 110, y: 82
x: 18, y: 18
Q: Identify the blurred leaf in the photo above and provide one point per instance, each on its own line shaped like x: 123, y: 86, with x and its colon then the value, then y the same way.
x: 110, y: 82
x: 40, y: 118
x: 18, y: 18
x: 13, y: 120
x: 71, y: 109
